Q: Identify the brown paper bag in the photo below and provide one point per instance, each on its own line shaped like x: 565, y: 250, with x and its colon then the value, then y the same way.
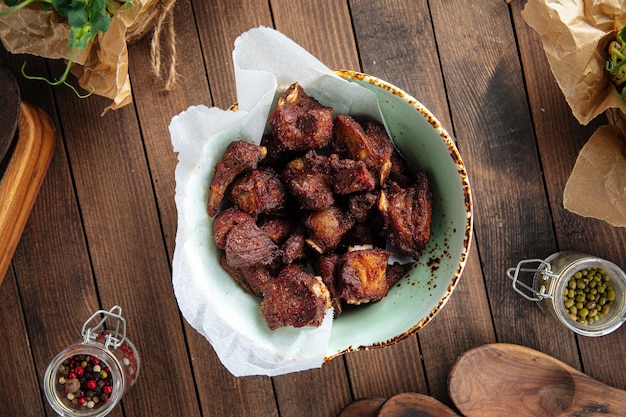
x: 575, y: 36
x: 103, y: 65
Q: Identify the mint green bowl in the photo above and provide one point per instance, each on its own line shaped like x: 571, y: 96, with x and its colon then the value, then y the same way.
x: 416, y: 298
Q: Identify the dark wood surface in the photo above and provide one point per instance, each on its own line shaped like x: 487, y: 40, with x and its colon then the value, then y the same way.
x: 102, y: 229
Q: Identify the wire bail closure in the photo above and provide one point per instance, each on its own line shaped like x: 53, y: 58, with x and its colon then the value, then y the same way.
x: 113, y: 337
x: 524, y: 289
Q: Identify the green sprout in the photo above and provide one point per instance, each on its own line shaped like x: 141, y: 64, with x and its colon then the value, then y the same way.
x: 616, y: 64
x: 86, y: 19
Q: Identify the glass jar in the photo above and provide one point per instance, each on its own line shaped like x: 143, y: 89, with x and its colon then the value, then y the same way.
x: 585, y: 293
x: 89, y: 378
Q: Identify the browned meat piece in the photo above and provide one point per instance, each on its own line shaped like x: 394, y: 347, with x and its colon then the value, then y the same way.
x: 327, y: 265
x: 360, y: 205
x: 308, y: 181
x: 326, y: 228
x: 400, y: 172
x: 294, y: 248
x: 367, y: 233
x: 368, y: 142
x: 251, y: 279
x: 379, y: 160
x: 408, y: 215
x: 238, y: 157
x: 225, y: 221
x: 350, y: 176
x: 295, y: 298
x: 258, y: 191
x: 278, y: 228
x: 396, y: 271
x: 249, y: 246
x: 300, y: 122
x: 363, y: 277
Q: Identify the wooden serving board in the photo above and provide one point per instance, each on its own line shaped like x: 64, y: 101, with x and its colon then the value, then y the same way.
x: 25, y: 168
x: 503, y: 379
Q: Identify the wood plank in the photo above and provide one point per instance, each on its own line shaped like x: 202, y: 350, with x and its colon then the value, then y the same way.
x: 57, y: 294
x: 555, y: 126
x: 238, y: 396
x: 330, y: 39
x: 221, y: 22
x: 397, y: 44
x: 128, y: 255
x: 15, y: 355
x: 495, y: 135
x: 328, y: 35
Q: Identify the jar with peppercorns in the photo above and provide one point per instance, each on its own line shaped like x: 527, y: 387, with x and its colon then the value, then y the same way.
x: 585, y: 293
x: 89, y: 378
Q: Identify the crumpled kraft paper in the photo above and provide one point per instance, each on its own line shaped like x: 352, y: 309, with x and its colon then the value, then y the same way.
x: 101, y: 67
x: 575, y: 36
x: 266, y: 63
x: 597, y: 185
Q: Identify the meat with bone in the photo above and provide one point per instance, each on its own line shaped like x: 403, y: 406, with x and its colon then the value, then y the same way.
x: 408, y: 215
x: 295, y: 298
x: 362, y: 276
x: 299, y: 122
x: 327, y: 227
x: 368, y: 143
x: 239, y: 157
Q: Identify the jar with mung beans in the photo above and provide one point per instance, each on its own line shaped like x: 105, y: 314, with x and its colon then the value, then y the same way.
x: 89, y: 378
x: 585, y: 293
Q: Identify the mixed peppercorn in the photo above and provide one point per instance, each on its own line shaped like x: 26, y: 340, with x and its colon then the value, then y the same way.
x: 86, y: 381
x: 588, y: 295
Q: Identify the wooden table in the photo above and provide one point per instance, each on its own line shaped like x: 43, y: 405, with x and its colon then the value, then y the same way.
x: 103, y: 226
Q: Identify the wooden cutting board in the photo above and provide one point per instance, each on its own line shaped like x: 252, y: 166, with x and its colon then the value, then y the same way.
x: 504, y: 379
x: 25, y: 167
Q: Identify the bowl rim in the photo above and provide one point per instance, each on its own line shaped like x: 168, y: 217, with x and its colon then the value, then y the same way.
x: 351, y: 75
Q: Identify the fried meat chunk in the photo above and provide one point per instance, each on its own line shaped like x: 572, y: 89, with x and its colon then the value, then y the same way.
x: 408, y: 215
x: 360, y: 205
x: 308, y: 180
x: 327, y: 266
x: 249, y: 246
x: 294, y: 248
x: 278, y: 228
x: 224, y: 221
x: 350, y: 176
x: 251, y: 279
x: 239, y: 157
x: 258, y: 191
x: 299, y: 122
x: 363, y: 275
x: 327, y: 227
x: 368, y: 142
x: 295, y: 298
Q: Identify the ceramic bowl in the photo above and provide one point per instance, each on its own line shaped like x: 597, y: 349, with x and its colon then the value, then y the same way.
x: 416, y: 298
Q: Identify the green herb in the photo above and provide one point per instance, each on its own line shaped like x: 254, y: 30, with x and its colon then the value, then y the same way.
x: 86, y: 19
x: 616, y: 64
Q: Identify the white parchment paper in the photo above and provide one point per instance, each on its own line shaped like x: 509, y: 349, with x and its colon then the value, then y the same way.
x: 266, y: 63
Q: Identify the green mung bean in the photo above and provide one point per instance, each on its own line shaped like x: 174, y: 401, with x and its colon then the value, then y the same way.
x: 588, y: 295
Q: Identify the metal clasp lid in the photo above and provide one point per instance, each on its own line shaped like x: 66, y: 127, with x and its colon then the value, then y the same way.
x: 114, y: 337
x: 525, y: 289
